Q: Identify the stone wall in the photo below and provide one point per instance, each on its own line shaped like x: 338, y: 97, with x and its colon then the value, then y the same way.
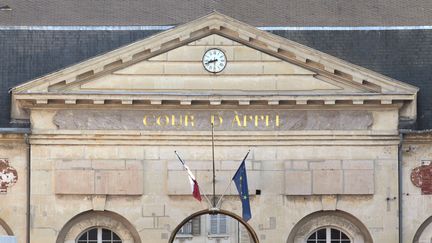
x: 13, y: 201
x: 137, y: 175
x: 417, y: 206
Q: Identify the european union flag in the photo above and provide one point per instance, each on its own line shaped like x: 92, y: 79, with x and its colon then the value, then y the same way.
x: 240, y: 180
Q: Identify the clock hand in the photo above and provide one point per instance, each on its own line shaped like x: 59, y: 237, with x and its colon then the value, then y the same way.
x: 211, y: 61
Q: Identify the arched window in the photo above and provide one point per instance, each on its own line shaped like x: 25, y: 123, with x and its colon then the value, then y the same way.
x: 99, y: 235
x: 328, y: 235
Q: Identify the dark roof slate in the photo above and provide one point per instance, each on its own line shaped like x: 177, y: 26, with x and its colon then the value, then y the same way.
x: 254, y: 12
x: 405, y: 55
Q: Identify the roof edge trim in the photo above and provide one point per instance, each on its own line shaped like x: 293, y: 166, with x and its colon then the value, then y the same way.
x: 167, y: 27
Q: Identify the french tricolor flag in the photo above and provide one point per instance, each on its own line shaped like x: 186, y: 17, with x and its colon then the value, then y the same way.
x: 194, y: 184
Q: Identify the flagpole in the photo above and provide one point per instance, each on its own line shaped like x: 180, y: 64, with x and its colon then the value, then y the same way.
x: 223, y: 194
x: 214, y: 172
x: 204, y: 193
x: 226, y: 189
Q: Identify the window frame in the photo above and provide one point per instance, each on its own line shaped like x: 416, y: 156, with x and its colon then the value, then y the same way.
x: 328, y: 234
x: 218, y: 232
x: 186, y: 229
x: 99, y: 235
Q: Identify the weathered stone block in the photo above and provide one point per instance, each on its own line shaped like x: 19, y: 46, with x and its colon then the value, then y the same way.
x: 123, y: 182
x: 256, y: 165
x: 74, y: 182
x: 206, y: 41
x: 283, y: 68
x: 186, y: 53
x: 233, y: 165
x: 271, y: 165
x: 329, y: 202
x: 43, y: 164
x: 144, y: 67
x: 264, y: 153
x: 337, y: 152
x: 67, y: 152
x: 222, y: 41
x: 298, y: 183
x: 223, y: 178
x: 99, y: 202
x: 151, y: 153
x: 277, y: 185
x: 193, y: 165
x: 106, y: 164
x: 199, y: 154
x: 300, y: 165
x: 183, y: 68
x: 178, y: 183
x: 130, y: 152
x: 67, y: 164
x: 146, y: 223
x: 161, y: 57
x: 149, y: 210
x: 266, y: 57
x: 44, y: 235
x: 41, y: 182
x: 40, y: 151
x: 327, y: 182
x: 156, y: 183
x: 101, y: 152
x: 325, y: 165
x: 359, y: 182
x: 242, y: 53
x: 137, y: 165
x: 358, y: 164
x: 154, y: 165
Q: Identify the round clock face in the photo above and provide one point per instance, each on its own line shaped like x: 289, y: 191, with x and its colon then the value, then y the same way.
x: 214, y: 60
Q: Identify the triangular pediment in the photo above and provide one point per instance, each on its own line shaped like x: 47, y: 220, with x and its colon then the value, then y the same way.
x: 260, y: 66
x: 181, y: 70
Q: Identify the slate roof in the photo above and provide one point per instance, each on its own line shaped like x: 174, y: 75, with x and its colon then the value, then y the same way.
x: 254, y: 12
x: 405, y: 55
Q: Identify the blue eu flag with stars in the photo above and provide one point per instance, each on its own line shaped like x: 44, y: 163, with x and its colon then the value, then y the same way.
x: 240, y: 180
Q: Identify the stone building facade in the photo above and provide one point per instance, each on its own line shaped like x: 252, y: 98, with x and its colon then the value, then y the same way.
x: 326, y: 154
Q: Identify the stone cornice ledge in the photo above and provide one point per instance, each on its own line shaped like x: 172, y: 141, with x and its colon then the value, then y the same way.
x: 291, y: 138
x: 190, y: 99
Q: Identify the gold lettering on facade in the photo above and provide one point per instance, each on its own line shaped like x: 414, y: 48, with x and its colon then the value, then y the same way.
x: 192, y: 120
x: 261, y: 118
x: 162, y: 120
x: 246, y: 119
x: 146, y: 122
x: 188, y: 120
x: 236, y: 120
x: 216, y: 122
x: 256, y: 119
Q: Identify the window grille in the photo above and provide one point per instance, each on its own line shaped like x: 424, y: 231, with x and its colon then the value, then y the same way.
x: 328, y: 235
x: 99, y: 235
x: 218, y: 224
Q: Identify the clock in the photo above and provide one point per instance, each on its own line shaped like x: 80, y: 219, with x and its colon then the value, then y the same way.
x: 214, y: 60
